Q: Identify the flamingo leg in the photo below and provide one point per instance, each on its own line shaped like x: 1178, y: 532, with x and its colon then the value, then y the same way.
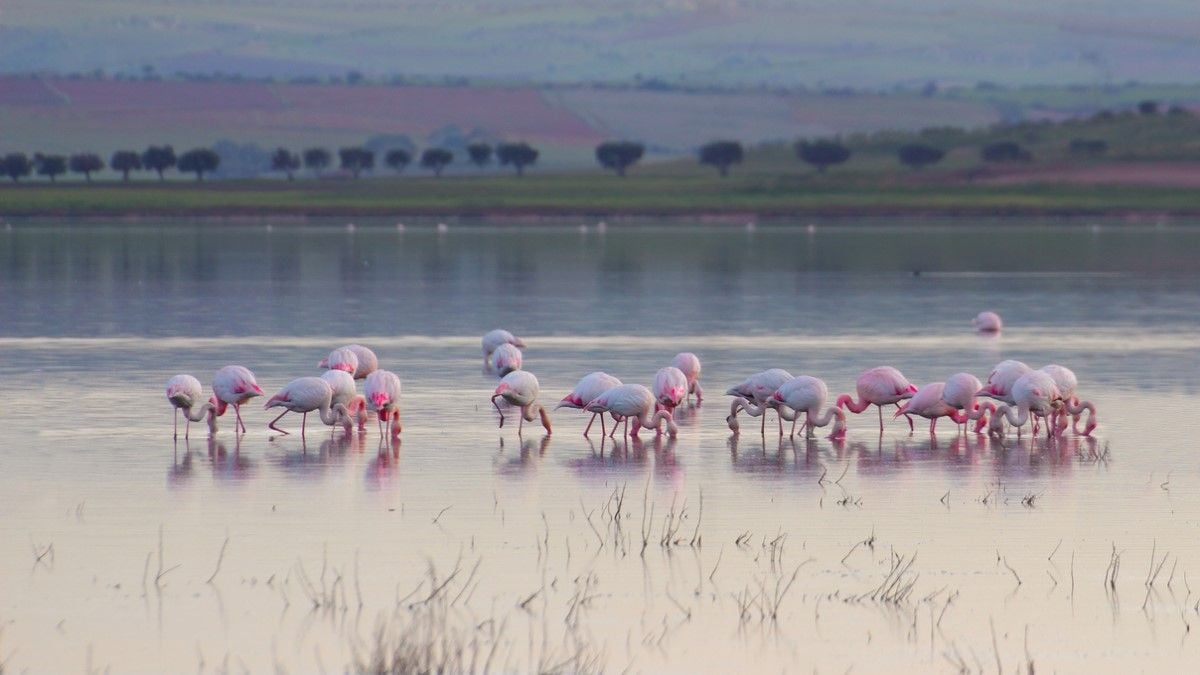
x: 397, y: 427
x: 589, y: 426
x: 626, y: 430
x: 763, y: 423
x: 498, y: 411
x: 792, y: 433
x: 779, y: 416
x: 237, y: 410
x: 272, y: 424
x: 602, y: 432
x: 303, y: 424
x: 175, y: 436
x: 880, y: 409
x: 187, y: 428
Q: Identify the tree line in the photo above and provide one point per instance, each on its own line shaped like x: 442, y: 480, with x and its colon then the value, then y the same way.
x: 357, y: 159
x: 18, y: 165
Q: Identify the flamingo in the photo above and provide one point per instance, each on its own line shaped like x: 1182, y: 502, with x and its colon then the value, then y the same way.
x: 184, y: 392
x: 521, y: 388
x: 382, y: 392
x: 960, y: 392
x: 758, y: 388
x: 1067, y: 383
x: 633, y: 401
x: 987, y: 322
x: 588, y: 388
x: 805, y: 394
x: 345, y: 393
x: 1000, y: 381
x: 1034, y: 394
x: 879, y: 386
x: 367, y: 361
x: 234, y: 385
x: 928, y: 403
x: 669, y: 388
x: 495, y: 338
x: 305, y: 395
x: 689, y: 364
x: 505, y: 359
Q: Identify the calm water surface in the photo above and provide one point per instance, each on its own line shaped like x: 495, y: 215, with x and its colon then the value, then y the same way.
x: 318, y: 544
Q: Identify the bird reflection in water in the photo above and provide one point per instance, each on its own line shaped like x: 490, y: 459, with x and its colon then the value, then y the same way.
x: 530, y: 452
x: 314, y: 461
x: 756, y: 454
x: 226, y: 465
x: 180, y: 472
x: 383, y: 469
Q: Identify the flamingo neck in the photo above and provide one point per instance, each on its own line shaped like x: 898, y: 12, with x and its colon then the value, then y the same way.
x: 847, y: 401
x: 818, y: 420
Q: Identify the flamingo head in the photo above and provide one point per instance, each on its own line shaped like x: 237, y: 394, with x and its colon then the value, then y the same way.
x: 839, y: 427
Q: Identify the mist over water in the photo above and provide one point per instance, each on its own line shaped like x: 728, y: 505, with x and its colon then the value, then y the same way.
x: 1016, y: 536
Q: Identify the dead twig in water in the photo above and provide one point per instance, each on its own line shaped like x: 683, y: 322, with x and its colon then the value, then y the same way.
x: 220, y: 557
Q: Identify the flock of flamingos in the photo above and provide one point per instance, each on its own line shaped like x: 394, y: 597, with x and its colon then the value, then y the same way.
x: 1017, y: 394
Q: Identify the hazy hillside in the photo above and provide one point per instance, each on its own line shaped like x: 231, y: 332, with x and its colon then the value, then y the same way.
x: 864, y: 43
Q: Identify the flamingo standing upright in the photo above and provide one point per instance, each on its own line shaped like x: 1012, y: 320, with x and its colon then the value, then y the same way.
x: 494, y: 339
x: 689, y: 364
x: 521, y: 388
x: 346, y: 393
x: 928, y: 403
x: 505, y: 359
x: 633, y: 401
x: 669, y: 388
x: 184, y: 392
x: 589, y: 387
x: 234, y: 385
x: 366, y: 363
x: 987, y: 322
x: 879, y: 386
x: 758, y: 388
x: 1034, y: 394
x: 305, y: 395
x: 382, y: 391
x: 960, y: 392
x: 806, y: 394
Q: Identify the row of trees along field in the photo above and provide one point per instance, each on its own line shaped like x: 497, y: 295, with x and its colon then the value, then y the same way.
x: 359, y: 159
x: 157, y: 158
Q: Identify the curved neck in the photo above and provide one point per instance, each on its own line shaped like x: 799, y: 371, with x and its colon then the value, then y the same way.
x: 336, y: 414
x: 847, y: 401
x: 1015, y: 416
x: 751, y: 409
x: 536, y: 409
x: 196, y: 413
x: 818, y: 420
x: 651, y: 421
x: 1076, y: 407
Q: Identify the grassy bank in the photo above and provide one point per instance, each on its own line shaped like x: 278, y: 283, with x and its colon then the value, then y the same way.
x: 668, y: 192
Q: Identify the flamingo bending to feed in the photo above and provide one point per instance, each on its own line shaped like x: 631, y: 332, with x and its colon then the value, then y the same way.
x: 184, y: 392
x: 1000, y: 381
x: 960, y: 392
x: 758, y: 388
x: 495, y: 338
x: 345, y: 393
x: 987, y: 322
x: 586, y: 391
x: 636, y: 402
x: 928, y: 403
x: 305, y: 395
x: 689, y: 364
x: 505, y: 359
x: 234, y: 385
x: 879, y: 386
x: 1067, y: 383
x: 1034, y: 394
x: 521, y: 388
x: 382, y: 391
x: 800, y: 394
x: 669, y: 388
x: 366, y: 362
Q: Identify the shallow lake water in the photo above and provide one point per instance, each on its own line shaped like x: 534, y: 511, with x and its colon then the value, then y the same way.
x: 123, y: 550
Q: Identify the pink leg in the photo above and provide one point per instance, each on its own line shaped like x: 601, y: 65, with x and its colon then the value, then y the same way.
x: 589, y: 426
x: 303, y: 425
x: 237, y: 411
x: 602, y: 432
x: 176, y: 434
x: 272, y: 424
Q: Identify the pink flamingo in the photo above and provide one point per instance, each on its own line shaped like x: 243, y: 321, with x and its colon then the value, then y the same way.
x: 928, y: 403
x: 960, y: 392
x: 505, y: 359
x: 1034, y: 394
x: 758, y: 388
x: 184, y: 392
x: 234, y: 385
x: 879, y: 386
x: 802, y: 393
x: 1067, y: 383
x: 366, y: 363
x: 382, y: 392
x: 494, y: 339
x: 345, y: 393
x: 636, y: 402
x: 588, y: 388
x: 987, y: 322
x: 305, y: 395
x: 1001, y: 379
x: 670, y: 387
x: 689, y: 364
x: 521, y: 388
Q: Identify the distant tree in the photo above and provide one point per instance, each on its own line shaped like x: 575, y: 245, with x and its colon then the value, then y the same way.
x: 316, y: 159
x: 721, y: 154
x: 356, y: 160
x: 1087, y: 147
x: 436, y: 159
x: 16, y: 165
x: 398, y: 159
x: 480, y: 154
x: 1178, y: 111
x: 1148, y: 107
x: 1004, y: 151
x: 822, y: 154
x: 286, y: 161
x: 619, y: 155
x: 50, y: 166
x: 159, y: 159
x: 125, y: 161
x: 517, y: 155
x: 199, y: 161
x: 86, y: 163
x: 919, y: 155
